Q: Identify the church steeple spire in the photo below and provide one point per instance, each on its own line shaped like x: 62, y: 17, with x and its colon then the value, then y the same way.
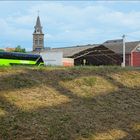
x: 38, y: 27
x: 38, y: 36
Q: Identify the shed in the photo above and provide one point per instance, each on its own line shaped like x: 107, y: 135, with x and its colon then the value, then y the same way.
x: 109, y: 53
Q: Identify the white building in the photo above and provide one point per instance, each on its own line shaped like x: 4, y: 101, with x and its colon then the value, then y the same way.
x: 53, y: 58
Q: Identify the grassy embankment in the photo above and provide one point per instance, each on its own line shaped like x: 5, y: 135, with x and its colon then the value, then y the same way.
x: 88, y: 103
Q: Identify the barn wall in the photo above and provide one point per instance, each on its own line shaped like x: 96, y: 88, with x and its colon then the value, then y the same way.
x: 135, y: 56
x: 98, y: 60
x: 98, y: 56
x: 128, y: 59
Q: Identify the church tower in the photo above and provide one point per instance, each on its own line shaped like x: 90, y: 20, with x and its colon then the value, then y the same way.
x: 38, y: 36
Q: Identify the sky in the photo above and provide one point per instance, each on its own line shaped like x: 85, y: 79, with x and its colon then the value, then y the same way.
x: 68, y: 23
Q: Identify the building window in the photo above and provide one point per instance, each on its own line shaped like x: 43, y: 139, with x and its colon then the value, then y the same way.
x: 40, y: 42
x: 36, y: 42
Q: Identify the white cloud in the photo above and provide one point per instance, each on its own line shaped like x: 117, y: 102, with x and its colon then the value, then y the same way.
x: 62, y: 22
x: 24, y: 20
x: 57, y: 15
x: 11, y: 31
x: 120, y: 19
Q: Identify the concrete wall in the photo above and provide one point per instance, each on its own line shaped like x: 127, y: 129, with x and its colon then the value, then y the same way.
x: 52, y: 58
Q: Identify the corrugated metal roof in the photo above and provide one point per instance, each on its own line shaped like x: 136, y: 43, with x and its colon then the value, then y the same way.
x: 70, y: 51
x: 114, y: 41
x: 118, y: 47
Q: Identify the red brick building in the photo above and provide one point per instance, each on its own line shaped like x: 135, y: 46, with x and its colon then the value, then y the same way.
x: 9, y: 49
x: 135, y: 56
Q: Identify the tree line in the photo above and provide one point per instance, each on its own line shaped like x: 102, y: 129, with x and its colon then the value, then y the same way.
x: 17, y: 49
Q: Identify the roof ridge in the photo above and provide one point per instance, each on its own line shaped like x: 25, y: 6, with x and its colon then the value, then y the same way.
x: 121, y: 42
x: 77, y: 46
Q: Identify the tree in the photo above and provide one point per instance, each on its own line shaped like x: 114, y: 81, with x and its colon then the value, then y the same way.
x: 19, y: 49
x: 1, y: 50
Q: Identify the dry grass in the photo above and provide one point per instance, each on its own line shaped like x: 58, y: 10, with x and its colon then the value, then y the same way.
x: 80, y: 103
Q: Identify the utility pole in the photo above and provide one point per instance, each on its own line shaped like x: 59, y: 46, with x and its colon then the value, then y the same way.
x: 123, y: 64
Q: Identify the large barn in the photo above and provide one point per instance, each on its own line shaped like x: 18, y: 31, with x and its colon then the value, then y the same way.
x: 108, y: 53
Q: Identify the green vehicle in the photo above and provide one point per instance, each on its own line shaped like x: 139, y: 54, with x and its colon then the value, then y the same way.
x: 15, y: 58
